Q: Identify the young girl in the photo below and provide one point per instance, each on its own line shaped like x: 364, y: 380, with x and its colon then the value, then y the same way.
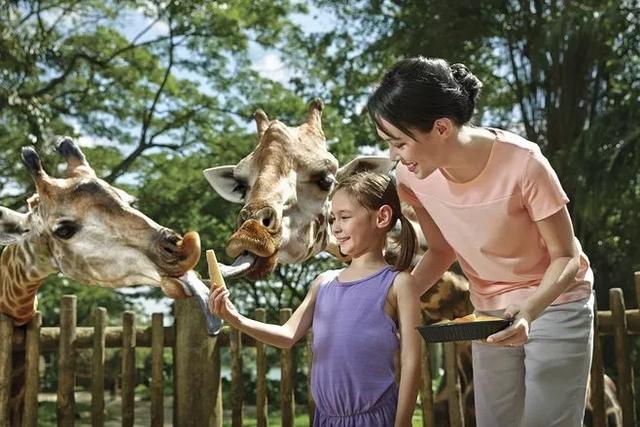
x: 356, y: 314
x: 490, y: 200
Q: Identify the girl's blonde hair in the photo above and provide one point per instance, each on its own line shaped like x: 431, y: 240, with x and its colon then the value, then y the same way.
x: 374, y: 190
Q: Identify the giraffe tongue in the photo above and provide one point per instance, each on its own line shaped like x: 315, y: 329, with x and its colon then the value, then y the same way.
x: 193, y: 286
x: 241, y: 265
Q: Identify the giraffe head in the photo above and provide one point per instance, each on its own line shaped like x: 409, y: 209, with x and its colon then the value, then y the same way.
x: 88, y: 229
x: 284, y: 186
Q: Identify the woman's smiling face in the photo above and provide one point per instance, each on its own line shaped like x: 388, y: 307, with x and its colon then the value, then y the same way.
x: 421, y: 155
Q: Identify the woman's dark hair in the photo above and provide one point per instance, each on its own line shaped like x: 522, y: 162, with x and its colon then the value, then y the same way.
x: 416, y: 92
x: 373, y: 190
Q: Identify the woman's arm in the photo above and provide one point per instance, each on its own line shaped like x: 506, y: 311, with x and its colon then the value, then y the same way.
x: 281, y: 336
x: 557, y: 233
x: 437, y: 259
x: 409, y: 318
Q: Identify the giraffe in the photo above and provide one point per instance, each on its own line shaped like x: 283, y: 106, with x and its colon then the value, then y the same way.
x: 284, y: 186
x: 88, y: 230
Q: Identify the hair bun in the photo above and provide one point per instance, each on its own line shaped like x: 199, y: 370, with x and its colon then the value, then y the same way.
x: 470, y: 83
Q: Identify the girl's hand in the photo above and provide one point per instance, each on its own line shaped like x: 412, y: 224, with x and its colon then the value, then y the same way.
x: 221, y: 306
x: 517, y: 333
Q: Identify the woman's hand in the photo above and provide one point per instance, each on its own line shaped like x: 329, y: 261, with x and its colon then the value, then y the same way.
x: 221, y: 306
x: 517, y: 333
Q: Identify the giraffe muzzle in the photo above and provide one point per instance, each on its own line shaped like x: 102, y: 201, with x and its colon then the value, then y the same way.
x: 251, y: 237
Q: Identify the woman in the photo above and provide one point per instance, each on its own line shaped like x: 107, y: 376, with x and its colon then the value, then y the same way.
x: 490, y: 200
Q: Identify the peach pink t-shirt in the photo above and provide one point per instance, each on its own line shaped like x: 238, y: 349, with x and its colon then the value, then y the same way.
x: 490, y: 222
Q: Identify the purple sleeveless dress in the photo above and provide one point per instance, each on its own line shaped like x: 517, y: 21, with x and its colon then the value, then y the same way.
x: 354, y: 343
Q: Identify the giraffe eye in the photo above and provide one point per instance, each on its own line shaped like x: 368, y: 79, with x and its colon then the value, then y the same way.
x: 240, y: 189
x: 66, y: 229
x: 325, y: 182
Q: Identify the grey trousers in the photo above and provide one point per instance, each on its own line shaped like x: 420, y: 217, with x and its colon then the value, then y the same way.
x: 544, y: 382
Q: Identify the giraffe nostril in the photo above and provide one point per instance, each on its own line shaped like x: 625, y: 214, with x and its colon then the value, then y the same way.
x: 170, y: 243
x: 169, y: 247
x: 269, y: 219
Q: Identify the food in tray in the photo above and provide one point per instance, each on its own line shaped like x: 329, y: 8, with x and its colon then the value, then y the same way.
x: 471, y: 327
x: 468, y: 319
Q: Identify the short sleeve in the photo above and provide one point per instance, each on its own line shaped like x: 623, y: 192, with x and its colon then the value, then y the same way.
x: 405, y: 193
x: 541, y: 189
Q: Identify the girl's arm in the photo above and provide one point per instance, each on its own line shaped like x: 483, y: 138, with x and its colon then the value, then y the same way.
x: 409, y: 318
x: 557, y: 233
x: 281, y: 336
x: 437, y: 259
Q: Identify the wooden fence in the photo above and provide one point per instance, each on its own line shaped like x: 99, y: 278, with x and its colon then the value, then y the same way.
x: 197, y: 385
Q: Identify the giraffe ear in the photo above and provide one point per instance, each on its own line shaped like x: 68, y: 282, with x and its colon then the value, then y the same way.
x: 13, y: 225
x: 380, y: 164
x: 223, y: 181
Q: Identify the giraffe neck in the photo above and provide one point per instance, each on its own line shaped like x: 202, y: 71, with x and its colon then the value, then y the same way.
x: 23, y: 267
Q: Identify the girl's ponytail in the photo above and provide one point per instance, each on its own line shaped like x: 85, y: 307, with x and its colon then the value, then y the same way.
x: 408, y: 243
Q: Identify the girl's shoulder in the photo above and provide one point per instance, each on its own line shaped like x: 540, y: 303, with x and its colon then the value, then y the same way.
x: 327, y: 277
x: 404, y: 285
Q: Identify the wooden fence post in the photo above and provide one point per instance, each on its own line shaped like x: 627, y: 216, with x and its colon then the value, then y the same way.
x: 596, y: 380
x: 193, y: 367
x: 6, y: 349
x: 216, y: 385
x: 157, y: 364
x: 98, y: 412
x: 262, y: 403
x: 426, y: 392
x: 623, y: 363
x: 311, y: 404
x: 32, y: 361
x: 128, y: 368
x: 67, y: 361
x: 286, y: 380
x: 636, y: 277
x: 456, y: 419
x: 237, y: 392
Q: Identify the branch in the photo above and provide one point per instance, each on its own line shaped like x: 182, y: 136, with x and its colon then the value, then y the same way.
x: 124, y: 165
x: 143, y: 144
x: 168, y: 146
x: 176, y: 122
x: 146, y: 120
x: 61, y: 78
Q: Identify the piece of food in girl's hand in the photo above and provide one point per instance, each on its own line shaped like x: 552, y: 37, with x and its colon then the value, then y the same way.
x: 214, y: 271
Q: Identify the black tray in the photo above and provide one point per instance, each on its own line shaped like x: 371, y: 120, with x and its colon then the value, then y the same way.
x: 462, y: 331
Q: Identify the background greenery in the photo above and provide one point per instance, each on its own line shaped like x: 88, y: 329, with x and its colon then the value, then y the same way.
x: 160, y: 90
